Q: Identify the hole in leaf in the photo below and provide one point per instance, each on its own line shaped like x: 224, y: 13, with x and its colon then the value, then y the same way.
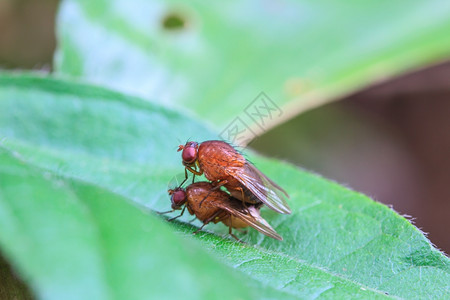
x: 173, y: 21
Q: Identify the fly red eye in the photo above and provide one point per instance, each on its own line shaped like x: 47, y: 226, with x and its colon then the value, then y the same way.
x: 178, y: 198
x: 189, y: 154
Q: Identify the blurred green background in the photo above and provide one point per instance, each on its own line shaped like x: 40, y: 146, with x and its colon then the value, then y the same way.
x: 390, y: 141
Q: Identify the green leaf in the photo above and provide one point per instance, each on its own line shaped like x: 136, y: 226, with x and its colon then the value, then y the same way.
x: 73, y: 240
x: 300, y: 53
x: 75, y: 155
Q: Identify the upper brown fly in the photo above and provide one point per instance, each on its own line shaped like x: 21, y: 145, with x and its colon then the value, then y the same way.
x: 224, y: 166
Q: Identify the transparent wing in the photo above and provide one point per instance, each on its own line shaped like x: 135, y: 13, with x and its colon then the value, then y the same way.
x: 250, y: 216
x: 270, y: 193
x: 178, y: 180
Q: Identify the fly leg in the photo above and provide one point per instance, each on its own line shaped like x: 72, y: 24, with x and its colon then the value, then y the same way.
x: 182, y: 212
x: 216, y: 186
x: 186, y: 177
x: 193, y: 171
x: 165, y: 212
x: 243, y: 197
x: 243, y: 202
x: 230, y: 231
x: 192, y: 220
x: 207, y: 221
x: 242, y: 230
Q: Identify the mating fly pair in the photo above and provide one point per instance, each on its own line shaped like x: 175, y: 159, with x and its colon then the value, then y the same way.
x: 248, y: 188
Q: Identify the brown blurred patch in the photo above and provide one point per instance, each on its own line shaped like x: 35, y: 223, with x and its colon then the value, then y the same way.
x: 418, y: 106
x: 27, y: 36
x: 11, y: 286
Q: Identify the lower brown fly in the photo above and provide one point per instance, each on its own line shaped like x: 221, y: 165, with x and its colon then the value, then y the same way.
x: 218, y: 206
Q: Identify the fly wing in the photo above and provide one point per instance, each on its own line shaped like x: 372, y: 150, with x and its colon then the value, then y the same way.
x: 270, y: 193
x: 179, y: 180
x: 250, y: 216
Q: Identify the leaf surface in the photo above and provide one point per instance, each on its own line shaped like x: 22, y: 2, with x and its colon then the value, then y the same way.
x: 79, y: 165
